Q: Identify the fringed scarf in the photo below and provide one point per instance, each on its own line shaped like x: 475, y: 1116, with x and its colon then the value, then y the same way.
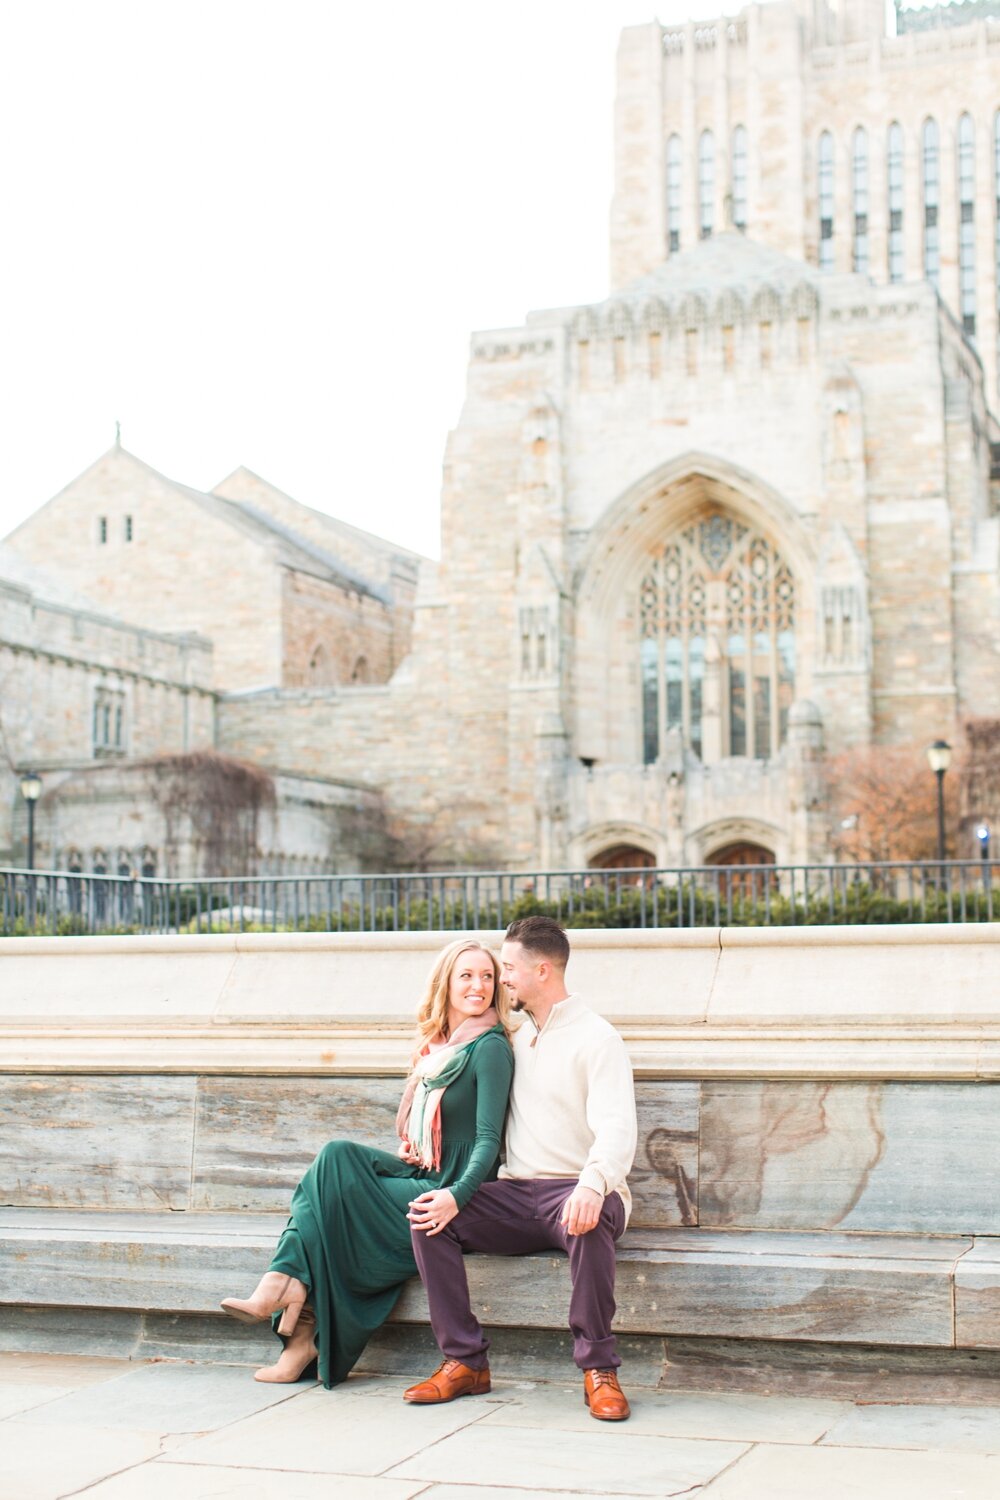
x: 418, y: 1119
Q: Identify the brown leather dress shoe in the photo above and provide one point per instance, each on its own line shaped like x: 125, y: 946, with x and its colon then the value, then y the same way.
x: 451, y: 1379
x: 604, y: 1396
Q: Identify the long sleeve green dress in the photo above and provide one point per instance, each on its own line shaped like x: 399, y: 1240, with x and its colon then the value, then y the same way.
x: 348, y: 1238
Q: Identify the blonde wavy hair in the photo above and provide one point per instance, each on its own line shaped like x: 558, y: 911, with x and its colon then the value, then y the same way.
x: 432, y: 1012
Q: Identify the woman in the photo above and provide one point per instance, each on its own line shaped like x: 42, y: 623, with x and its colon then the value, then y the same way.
x: 345, y: 1253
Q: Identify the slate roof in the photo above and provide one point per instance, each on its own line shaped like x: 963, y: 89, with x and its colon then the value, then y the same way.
x: 730, y: 259
x: 290, y: 547
x: 23, y: 574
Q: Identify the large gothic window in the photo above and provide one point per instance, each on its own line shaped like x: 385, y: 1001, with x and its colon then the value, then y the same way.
x: 717, y: 641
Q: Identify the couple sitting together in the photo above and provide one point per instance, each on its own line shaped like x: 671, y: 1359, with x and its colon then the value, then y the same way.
x: 556, y: 1093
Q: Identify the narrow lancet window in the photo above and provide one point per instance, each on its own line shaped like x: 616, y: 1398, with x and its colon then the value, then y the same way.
x: 706, y: 184
x: 894, y: 162
x: 825, y: 195
x: 740, y: 179
x: 859, y: 191
x: 673, y: 195
x: 931, y: 195
x: 967, y: 224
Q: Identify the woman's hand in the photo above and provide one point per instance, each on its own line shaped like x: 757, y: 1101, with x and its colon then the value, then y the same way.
x: 406, y: 1152
x: 432, y: 1211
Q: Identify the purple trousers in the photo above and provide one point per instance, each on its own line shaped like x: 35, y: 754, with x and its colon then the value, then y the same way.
x: 515, y: 1216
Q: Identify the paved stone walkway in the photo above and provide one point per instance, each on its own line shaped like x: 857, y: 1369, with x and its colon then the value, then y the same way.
x: 110, y: 1430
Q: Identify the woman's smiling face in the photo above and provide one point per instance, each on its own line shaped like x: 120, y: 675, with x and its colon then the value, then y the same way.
x: 471, y: 989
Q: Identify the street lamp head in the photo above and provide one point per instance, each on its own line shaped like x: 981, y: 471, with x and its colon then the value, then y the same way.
x: 31, y: 786
x: 983, y: 833
x: 939, y: 756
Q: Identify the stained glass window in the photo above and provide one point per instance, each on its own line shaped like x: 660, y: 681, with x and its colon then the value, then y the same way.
x: 717, y: 577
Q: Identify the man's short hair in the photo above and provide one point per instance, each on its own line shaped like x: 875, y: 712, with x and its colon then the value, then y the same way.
x: 541, y: 937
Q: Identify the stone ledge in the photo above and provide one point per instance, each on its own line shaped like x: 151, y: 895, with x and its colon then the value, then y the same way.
x: 886, y: 1290
x: 921, y: 1051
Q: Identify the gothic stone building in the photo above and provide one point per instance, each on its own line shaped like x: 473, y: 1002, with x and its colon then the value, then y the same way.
x: 695, y: 536
x: 128, y: 605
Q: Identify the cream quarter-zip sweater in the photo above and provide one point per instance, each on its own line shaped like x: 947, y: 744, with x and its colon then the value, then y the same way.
x: 572, y: 1102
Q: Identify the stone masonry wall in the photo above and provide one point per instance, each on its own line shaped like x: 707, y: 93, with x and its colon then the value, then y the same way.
x: 786, y: 73
x: 332, y: 635
x: 185, y: 568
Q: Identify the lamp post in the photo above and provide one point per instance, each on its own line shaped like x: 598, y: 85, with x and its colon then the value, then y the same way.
x: 31, y: 790
x: 983, y: 835
x: 939, y: 759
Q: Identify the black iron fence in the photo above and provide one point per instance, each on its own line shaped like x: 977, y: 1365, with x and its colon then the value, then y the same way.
x: 67, y: 902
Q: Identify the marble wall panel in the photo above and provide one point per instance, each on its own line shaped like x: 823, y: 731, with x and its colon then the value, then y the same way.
x: 664, y: 1179
x: 745, y: 1294
x: 255, y: 1136
x: 97, y: 1142
x: 889, y: 1157
x: 132, y: 1269
x: 780, y: 1296
x: 977, y: 1297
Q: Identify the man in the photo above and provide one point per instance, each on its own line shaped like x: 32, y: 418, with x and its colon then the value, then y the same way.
x: 570, y: 1141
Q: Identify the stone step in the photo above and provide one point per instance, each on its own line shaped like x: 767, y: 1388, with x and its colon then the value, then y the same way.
x: 888, y: 1290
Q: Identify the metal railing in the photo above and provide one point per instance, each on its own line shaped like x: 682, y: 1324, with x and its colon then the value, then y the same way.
x: 68, y: 902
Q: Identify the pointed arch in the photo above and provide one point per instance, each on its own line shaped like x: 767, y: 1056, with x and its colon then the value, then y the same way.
x: 695, y: 604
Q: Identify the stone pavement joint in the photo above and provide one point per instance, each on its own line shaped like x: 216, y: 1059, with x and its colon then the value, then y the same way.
x: 103, y: 1429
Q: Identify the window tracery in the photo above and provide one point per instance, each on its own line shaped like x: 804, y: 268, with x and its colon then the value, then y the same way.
x: 717, y: 583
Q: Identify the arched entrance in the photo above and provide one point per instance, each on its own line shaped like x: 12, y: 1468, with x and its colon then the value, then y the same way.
x: 741, y: 853
x: 741, y: 879
x: 622, y: 857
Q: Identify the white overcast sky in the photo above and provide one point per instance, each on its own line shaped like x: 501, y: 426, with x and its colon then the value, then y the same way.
x: 261, y: 233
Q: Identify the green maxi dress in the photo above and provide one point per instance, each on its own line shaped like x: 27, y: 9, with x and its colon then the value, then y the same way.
x: 348, y: 1238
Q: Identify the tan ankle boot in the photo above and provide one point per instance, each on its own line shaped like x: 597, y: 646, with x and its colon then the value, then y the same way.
x: 297, y: 1360
x: 274, y: 1291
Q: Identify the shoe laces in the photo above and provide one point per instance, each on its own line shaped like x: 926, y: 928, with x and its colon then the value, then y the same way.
x: 604, y: 1377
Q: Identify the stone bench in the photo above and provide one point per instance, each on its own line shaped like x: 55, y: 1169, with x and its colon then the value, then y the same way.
x: 153, y: 1281
x: 818, y: 1113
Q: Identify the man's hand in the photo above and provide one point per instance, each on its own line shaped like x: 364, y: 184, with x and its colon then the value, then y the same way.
x: 581, y: 1211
